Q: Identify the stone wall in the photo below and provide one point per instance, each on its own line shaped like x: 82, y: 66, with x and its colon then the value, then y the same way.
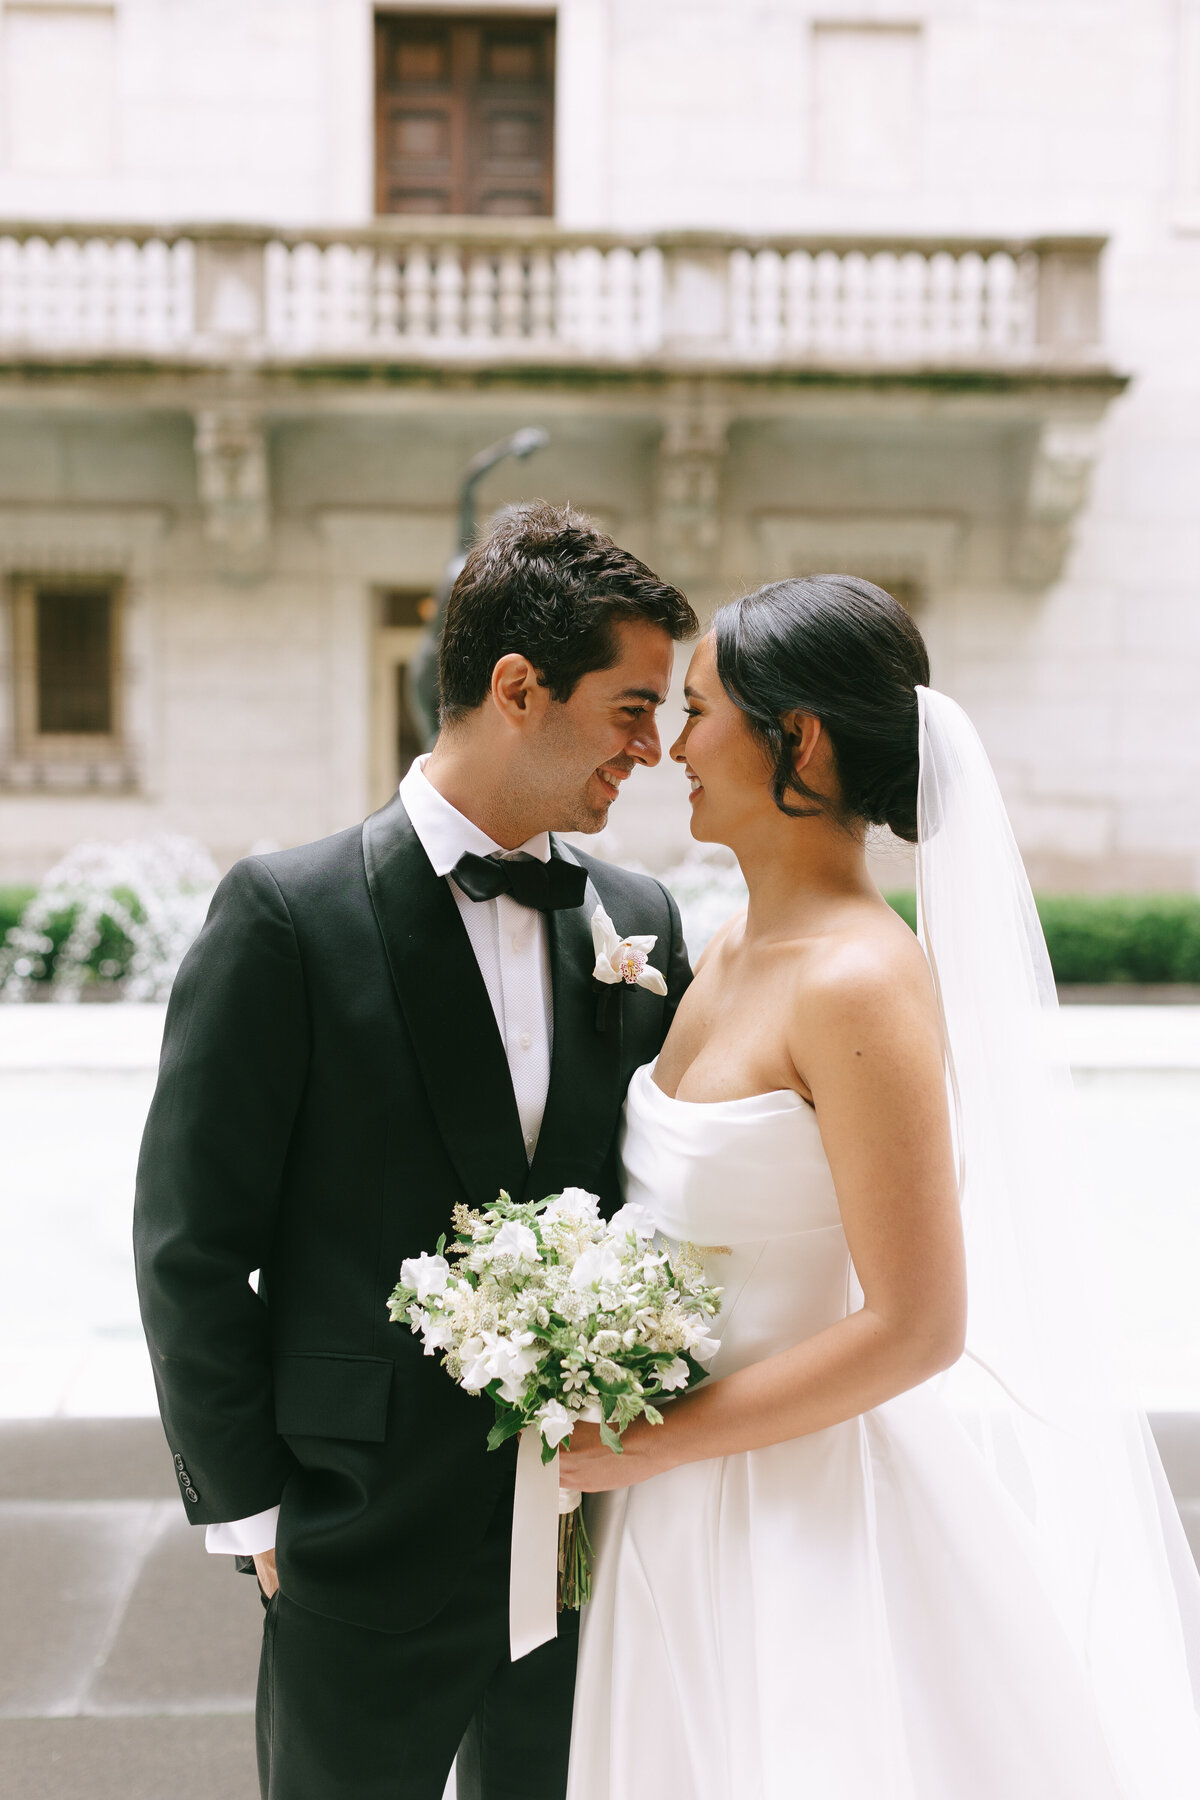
x: 252, y: 699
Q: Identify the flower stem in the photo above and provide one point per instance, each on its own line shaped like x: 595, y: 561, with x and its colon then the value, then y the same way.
x: 574, y: 1562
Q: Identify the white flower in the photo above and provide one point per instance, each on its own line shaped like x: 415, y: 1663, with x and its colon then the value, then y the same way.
x: 508, y: 1360
x: 427, y: 1274
x: 675, y: 1375
x: 598, y: 1263
x: 436, y: 1334
x: 623, y: 959
x: 513, y: 1387
x: 555, y: 1422
x: 702, y: 1346
x: 516, y: 1240
x: 574, y: 1205
x: 631, y: 1217
x: 475, y: 1359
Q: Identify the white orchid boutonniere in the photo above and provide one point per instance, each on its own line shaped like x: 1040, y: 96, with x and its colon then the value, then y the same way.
x: 623, y: 959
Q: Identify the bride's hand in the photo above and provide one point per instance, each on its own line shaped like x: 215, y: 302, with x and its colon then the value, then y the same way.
x: 590, y: 1467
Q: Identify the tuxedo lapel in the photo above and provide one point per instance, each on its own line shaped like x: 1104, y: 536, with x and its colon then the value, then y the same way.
x: 446, y: 1005
x: 584, y: 1094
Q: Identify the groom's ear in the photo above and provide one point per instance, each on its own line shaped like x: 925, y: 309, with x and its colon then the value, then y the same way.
x: 517, y: 692
x: 806, y: 736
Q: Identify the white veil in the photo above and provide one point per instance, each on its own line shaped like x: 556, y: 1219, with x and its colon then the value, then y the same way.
x: 1038, y: 1389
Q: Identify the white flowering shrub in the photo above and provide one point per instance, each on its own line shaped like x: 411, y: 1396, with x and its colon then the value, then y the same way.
x: 709, y: 888
x: 117, y: 915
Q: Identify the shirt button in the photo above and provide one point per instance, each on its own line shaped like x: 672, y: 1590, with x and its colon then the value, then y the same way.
x: 529, y: 1140
x: 526, y: 1041
x: 518, y: 942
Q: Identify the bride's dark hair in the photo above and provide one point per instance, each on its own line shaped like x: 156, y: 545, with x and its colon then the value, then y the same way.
x: 842, y: 649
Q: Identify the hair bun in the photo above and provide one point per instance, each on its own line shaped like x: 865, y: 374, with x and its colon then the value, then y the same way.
x: 845, y: 650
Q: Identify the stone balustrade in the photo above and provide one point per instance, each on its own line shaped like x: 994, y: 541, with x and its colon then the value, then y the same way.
x: 523, y: 293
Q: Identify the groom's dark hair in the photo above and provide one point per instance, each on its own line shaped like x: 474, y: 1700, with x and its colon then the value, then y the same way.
x: 549, y: 585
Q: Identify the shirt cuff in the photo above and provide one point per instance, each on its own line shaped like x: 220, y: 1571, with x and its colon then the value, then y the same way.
x: 243, y: 1537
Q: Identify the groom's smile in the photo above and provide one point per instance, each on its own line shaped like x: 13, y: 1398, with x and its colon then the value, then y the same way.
x: 611, y: 712
x: 611, y: 779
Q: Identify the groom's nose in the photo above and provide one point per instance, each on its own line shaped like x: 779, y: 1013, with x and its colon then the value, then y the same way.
x: 644, y: 746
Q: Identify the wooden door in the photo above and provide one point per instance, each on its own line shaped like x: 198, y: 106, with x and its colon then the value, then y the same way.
x: 464, y: 118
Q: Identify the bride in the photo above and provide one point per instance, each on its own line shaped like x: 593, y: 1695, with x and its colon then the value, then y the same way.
x: 857, y: 1563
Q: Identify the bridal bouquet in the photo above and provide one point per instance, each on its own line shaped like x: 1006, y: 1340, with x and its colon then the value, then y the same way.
x: 559, y: 1315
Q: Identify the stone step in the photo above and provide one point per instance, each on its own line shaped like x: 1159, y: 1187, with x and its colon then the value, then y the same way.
x: 127, y: 1459
x: 128, y: 1658
x: 128, y: 1759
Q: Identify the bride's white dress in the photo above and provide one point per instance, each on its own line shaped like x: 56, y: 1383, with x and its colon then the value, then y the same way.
x: 852, y: 1615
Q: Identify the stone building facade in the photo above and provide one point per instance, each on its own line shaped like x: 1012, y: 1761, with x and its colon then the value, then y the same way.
x: 904, y: 289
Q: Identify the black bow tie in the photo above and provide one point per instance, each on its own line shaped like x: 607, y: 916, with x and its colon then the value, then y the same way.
x: 548, y: 886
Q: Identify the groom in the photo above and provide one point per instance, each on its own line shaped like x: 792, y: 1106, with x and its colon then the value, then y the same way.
x: 368, y: 1031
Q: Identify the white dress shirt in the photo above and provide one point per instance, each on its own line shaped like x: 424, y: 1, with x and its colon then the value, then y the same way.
x: 512, y: 947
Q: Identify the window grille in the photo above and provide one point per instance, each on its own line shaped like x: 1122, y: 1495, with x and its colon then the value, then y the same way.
x: 74, y: 657
x: 67, y: 685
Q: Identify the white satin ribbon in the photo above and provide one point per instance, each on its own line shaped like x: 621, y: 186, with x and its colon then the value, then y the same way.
x: 533, y: 1578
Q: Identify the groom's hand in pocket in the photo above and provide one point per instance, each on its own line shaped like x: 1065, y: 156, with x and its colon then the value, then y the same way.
x: 264, y: 1568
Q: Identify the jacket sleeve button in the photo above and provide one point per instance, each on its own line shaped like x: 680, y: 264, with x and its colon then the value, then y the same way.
x: 191, y: 1493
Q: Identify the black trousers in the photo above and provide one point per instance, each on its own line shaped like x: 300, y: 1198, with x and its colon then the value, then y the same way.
x: 345, y: 1713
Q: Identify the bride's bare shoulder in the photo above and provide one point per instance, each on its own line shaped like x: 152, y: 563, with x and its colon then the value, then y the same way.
x: 869, y: 974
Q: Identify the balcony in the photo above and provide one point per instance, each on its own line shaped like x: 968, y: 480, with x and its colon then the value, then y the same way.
x: 487, y: 294
x: 694, y: 344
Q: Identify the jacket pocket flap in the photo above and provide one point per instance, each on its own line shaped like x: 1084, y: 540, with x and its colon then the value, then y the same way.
x: 324, y: 1394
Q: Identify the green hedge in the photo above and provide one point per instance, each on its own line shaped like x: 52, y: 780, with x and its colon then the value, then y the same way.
x: 1146, y: 938
x: 1093, y: 938
x: 906, y: 905
x: 1101, y: 938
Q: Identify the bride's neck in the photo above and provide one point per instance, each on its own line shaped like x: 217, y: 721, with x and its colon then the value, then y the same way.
x: 796, y: 871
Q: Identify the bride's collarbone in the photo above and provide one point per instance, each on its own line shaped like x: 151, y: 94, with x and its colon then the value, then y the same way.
x: 729, y: 1040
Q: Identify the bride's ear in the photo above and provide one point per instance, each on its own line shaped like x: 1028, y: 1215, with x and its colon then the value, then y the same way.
x: 805, y: 735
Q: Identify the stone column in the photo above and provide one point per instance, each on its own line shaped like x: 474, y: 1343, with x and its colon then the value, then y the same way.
x: 688, y: 525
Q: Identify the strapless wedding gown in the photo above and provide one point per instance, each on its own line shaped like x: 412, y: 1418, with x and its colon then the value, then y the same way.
x: 852, y: 1615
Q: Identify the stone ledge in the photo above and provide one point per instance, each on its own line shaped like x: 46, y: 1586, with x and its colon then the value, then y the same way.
x: 128, y: 1759
x: 85, y: 1459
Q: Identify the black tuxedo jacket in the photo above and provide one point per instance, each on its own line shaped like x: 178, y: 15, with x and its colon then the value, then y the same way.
x: 332, y: 1083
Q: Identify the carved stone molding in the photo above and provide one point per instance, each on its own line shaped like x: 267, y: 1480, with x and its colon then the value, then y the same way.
x: 923, y: 551
x: 691, y: 457
x: 1059, y: 476
x: 80, y: 539
x: 233, y: 485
